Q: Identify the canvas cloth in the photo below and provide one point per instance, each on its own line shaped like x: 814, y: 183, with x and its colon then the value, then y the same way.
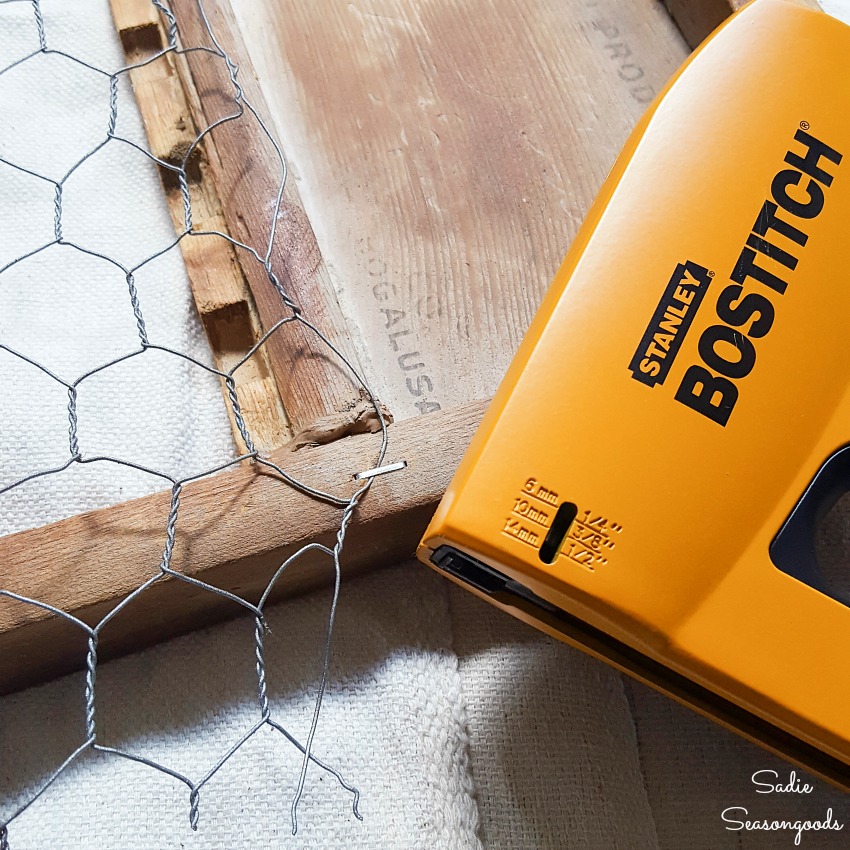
x: 461, y: 727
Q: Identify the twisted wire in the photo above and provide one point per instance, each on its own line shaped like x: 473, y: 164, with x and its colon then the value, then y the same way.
x: 39, y: 24
x: 91, y: 675
x: 291, y: 314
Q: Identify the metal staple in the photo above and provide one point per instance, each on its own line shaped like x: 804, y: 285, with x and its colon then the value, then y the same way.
x: 290, y: 314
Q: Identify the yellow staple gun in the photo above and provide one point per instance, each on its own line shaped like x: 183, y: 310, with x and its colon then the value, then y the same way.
x: 648, y: 478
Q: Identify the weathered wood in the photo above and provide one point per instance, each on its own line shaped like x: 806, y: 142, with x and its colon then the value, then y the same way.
x: 234, y: 530
x: 221, y: 293
x: 447, y: 153
x: 697, y: 19
x: 312, y: 380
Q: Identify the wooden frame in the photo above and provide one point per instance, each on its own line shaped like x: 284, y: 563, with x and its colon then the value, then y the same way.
x: 697, y: 20
x: 94, y: 560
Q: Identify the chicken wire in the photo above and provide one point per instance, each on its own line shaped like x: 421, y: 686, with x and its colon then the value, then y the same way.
x: 290, y: 316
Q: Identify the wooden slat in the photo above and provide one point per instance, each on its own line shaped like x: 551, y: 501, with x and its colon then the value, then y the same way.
x: 221, y: 293
x: 312, y: 381
x: 697, y: 19
x: 234, y: 529
x: 447, y: 153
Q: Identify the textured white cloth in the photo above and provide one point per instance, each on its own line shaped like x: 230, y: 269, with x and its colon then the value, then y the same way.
x: 461, y: 727
x: 71, y: 311
x: 393, y: 723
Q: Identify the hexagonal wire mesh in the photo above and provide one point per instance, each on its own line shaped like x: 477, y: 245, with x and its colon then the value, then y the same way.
x: 52, y: 236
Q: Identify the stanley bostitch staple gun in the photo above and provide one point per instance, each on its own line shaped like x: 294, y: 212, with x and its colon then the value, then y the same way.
x: 647, y: 481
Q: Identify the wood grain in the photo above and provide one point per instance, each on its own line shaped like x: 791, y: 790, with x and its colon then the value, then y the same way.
x: 313, y: 382
x: 222, y: 297
x: 234, y: 530
x: 447, y: 153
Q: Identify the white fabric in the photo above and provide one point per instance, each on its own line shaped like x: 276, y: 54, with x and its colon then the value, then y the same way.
x: 70, y: 311
x: 393, y: 723
x: 462, y: 727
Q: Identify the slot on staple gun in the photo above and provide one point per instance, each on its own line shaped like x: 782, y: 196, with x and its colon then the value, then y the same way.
x: 647, y: 481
